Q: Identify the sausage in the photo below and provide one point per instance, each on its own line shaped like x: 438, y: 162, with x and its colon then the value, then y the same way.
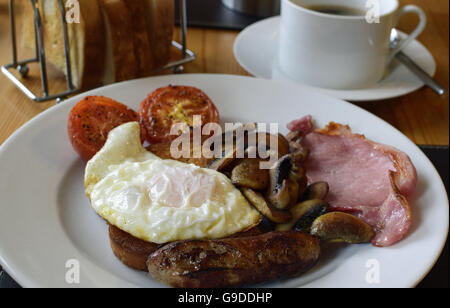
x: 236, y: 261
x: 134, y: 252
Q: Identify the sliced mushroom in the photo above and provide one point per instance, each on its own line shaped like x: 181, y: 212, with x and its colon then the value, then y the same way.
x: 232, y: 134
x: 303, y: 215
x: 271, y: 213
x: 241, y: 143
x: 281, y: 171
x: 270, y: 145
x: 229, y: 156
x: 302, y: 187
x: 342, y: 227
x: 307, y: 212
x: 317, y: 190
x: 248, y: 174
x: 283, y: 145
x: 299, y: 153
x: 295, y: 136
x: 298, y: 174
x: 294, y: 191
x: 220, y: 164
x: 281, y: 197
x: 279, y: 192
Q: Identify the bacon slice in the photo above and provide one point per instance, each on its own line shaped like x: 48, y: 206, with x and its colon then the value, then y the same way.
x: 367, y: 179
x: 304, y: 125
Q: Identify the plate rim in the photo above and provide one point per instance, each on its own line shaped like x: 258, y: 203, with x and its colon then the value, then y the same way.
x: 22, y: 278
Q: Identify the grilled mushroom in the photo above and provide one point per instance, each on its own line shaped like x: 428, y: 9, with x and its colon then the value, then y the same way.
x: 220, y: 164
x: 280, y: 197
x: 299, y: 153
x: 248, y: 174
x: 302, y: 185
x: 295, y: 136
x: 298, y: 174
x: 278, y: 193
x: 271, y: 145
x: 317, y: 190
x: 232, y: 134
x: 230, y: 155
x: 294, y: 191
x: 271, y: 213
x: 263, y: 145
x: 307, y: 212
x: 342, y: 227
x: 303, y: 215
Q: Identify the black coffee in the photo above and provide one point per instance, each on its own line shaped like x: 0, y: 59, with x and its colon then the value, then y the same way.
x: 337, y: 10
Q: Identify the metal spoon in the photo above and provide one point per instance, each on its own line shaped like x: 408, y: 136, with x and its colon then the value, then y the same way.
x: 417, y: 70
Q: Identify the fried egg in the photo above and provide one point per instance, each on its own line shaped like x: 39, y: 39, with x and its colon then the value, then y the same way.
x: 161, y: 201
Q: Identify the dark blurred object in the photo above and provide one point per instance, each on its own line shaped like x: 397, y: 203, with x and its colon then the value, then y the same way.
x: 6, y: 282
x: 439, y: 275
x: 260, y: 8
x: 213, y: 14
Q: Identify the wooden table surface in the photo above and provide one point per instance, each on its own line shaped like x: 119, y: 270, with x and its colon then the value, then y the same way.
x: 422, y: 116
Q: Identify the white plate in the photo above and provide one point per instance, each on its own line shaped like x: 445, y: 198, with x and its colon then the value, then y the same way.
x: 46, y: 220
x: 256, y: 51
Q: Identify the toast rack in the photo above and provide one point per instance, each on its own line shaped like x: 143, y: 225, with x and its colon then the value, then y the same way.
x: 21, y: 66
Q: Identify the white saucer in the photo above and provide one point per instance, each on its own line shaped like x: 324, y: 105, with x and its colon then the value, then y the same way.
x: 256, y: 51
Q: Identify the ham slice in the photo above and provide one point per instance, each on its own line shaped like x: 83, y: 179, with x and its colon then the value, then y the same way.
x: 370, y: 180
x: 304, y: 125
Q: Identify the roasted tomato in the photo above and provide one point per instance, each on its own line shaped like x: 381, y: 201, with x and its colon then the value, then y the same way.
x: 92, y: 119
x: 174, y: 104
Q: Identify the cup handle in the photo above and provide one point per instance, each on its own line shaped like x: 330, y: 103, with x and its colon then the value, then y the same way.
x: 419, y: 29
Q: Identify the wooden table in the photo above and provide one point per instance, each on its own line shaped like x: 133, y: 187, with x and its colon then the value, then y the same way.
x: 422, y: 116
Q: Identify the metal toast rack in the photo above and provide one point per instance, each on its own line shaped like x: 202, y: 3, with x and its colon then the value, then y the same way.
x: 22, y: 66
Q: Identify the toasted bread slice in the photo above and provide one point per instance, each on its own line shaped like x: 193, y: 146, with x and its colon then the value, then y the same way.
x: 142, y: 48
x: 116, y: 40
x: 160, y: 23
x: 86, y: 39
x: 120, y: 59
x: 131, y: 251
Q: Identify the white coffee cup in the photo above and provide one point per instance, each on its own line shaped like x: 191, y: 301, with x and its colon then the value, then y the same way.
x: 339, y: 51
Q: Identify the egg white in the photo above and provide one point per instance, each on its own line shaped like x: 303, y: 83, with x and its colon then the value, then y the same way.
x: 161, y: 201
